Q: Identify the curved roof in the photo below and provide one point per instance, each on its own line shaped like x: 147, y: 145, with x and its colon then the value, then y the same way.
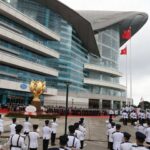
x: 86, y: 23
x: 101, y: 20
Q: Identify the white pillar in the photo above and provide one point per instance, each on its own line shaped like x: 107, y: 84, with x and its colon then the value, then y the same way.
x: 100, y: 103
x: 112, y: 104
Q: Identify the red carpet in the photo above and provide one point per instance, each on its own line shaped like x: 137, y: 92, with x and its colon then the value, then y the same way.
x: 105, y: 117
x: 4, y: 111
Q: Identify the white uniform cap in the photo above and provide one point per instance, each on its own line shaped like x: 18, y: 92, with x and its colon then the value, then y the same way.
x: 107, y: 121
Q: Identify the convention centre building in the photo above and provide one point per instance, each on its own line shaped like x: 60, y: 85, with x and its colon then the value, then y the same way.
x: 46, y: 40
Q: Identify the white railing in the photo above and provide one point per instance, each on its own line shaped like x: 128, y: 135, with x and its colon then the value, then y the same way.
x: 103, y: 69
x: 104, y: 84
x: 8, y: 10
x: 28, y: 65
x: 26, y: 42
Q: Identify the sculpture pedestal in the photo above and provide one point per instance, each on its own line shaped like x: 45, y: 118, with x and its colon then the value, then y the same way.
x: 37, y: 104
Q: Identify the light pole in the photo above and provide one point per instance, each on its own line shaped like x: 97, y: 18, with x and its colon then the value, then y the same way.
x: 66, y: 112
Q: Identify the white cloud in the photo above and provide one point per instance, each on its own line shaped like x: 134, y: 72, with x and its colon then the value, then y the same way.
x: 140, y: 42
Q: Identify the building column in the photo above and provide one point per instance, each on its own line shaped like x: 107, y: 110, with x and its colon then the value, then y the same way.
x: 121, y: 103
x: 26, y: 100
x: 112, y: 104
x: 100, y: 103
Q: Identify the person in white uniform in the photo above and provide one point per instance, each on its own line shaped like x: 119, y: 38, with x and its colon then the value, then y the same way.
x: 33, y: 138
x: 140, y: 128
x: 12, y: 127
x: 16, y: 141
x: 83, y: 130
x: 140, y: 138
x: 147, y: 133
x: 125, y: 117
x: 143, y: 117
x: 46, y: 135
x: 133, y: 117
x: 109, y: 133
x: 54, y: 126
x: 26, y: 126
x: 126, y: 145
x: 73, y: 141
x: 79, y: 134
x: 1, y: 125
x: 62, y: 142
x: 117, y: 138
x: 148, y: 115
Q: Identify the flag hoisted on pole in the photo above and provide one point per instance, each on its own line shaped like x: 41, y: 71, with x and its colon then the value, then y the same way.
x: 124, y: 52
x: 126, y: 35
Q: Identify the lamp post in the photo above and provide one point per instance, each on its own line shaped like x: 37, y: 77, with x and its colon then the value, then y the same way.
x: 66, y: 112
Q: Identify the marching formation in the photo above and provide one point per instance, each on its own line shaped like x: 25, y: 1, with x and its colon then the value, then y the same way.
x: 120, y: 140
x: 26, y: 136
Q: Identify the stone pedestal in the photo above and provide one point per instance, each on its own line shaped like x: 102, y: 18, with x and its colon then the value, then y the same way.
x: 37, y: 104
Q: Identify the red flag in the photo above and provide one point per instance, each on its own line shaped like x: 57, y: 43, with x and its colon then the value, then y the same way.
x: 124, y: 51
x: 126, y: 34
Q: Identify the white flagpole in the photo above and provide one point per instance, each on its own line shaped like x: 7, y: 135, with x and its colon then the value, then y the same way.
x: 126, y: 76
x: 130, y: 68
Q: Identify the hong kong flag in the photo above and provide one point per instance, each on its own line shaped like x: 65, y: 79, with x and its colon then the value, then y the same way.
x: 126, y: 34
x: 124, y: 51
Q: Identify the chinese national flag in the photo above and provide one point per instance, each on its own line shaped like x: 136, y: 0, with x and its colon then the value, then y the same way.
x: 126, y: 34
x: 124, y: 51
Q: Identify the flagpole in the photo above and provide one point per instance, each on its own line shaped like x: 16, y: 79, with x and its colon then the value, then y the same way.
x: 126, y: 78
x: 130, y: 68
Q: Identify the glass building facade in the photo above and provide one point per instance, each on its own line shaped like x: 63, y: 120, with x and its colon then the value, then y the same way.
x: 108, y: 42
x: 73, y: 56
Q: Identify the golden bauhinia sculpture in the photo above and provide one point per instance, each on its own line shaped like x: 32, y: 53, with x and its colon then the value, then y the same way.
x: 37, y: 88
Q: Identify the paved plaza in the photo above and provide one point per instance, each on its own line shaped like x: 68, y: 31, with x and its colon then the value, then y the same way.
x: 96, y: 131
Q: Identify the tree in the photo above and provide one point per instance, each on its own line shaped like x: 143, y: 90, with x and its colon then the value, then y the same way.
x: 144, y: 105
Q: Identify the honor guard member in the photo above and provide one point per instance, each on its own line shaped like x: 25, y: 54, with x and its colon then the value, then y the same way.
x: 1, y: 125
x: 16, y: 141
x: 54, y: 126
x: 108, y: 126
x: 110, y: 132
x: 140, y: 138
x: 33, y: 138
x: 62, y: 142
x: 133, y: 117
x: 126, y: 145
x: 26, y: 126
x: 111, y: 113
x: 143, y: 117
x: 140, y: 128
x: 83, y: 130
x: 79, y: 134
x: 73, y: 142
x: 139, y: 116
x: 125, y: 117
x: 46, y: 135
x: 83, y: 124
x: 117, y: 138
x: 148, y: 115
x: 12, y: 127
x: 147, y: 133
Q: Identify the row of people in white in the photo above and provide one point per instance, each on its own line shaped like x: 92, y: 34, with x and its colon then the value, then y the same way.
x: 145, y: 129
x: 48, y: 132
x: 75, y: 139
x: 120, y: 141
x: 134, y: 115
